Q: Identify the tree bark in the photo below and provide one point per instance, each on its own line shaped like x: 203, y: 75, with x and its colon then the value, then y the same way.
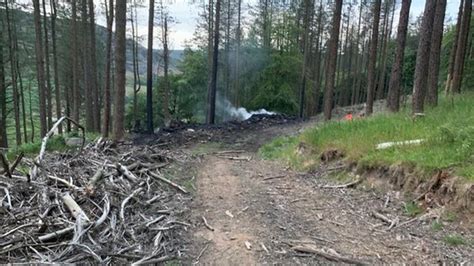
x: 120, y: 57
x: 212, y: 88
x: 57, y: 89
x: 40, y: 68
x: 93, y: 66
x: 423, y: 58
x: 108, y: 63
x: 3, y: 102
x: 373, y: 58
x: 332, y: 60
x: 308, y: 7
x: 76, y: 94
x: 393, y: 98
x: 435, y: 52
x: 86, y: 69
x: 452, y: 56
x: 166, y: 82
x: 149, y: 68
x: 462, y: 47
x: 13, y: 73
x: 49, y: 102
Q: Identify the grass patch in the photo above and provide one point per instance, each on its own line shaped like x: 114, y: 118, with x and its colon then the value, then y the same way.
x: 55, y: 143
x: 412, y: 209
x: 448, y: 131
x: 437, y: 226
x: 454, y: 240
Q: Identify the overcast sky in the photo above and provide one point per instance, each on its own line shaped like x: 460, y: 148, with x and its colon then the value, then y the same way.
x: 186, y: 16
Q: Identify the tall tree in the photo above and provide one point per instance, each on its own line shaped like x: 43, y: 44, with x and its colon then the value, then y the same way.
x: 93, y: 66
x: 57, y: 89
x: 373, y: 57
x: 49, y: 102
x: 149, y: 68
x: 308, y: 8
x: 40, y: 67
x: 423, y: 58
x: 332, y: 60
x: 212, y: 88
x: 86, y: 69
x: 136, y: 73
x: 238, y: 37
x: 452, y: 56
x: 393, y: 98
x: 435, y: 52
x: 120, y: 59
x: 76, y: 94
x: 462, y: 47
x: 166, y: 56
x: 3, y: 102
x: 109, y: 11
x: 13, y: 57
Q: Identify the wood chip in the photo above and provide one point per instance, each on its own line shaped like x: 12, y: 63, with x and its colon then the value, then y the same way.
x: 248, y: 245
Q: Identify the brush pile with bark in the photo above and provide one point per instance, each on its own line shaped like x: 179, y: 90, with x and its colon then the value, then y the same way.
x: 107, y: 205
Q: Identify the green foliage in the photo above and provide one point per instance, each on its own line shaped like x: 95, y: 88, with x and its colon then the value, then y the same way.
x: 276, y: 89
x: 437, y: 226
x: 454, y: 240
x: 55, y: 143
x: 278, y: 148
x: 447, y: 129
x: 412, y: 209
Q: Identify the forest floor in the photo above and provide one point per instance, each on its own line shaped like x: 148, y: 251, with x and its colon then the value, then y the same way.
x: 261, y: 212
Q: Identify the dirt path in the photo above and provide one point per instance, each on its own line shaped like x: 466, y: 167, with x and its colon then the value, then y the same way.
x: 273, y: 209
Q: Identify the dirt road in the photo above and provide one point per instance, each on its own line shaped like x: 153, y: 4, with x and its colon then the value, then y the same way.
x: 260, y: 212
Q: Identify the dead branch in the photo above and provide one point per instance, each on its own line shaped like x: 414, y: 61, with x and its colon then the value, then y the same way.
x: 350, y: 184
x: 74, y: 208
x: 39, y: 158
x: 333, y: 257
x: 16, y: 162
x: 69, y: 185
x: 273, y: 177
x: 5, y: 165
x: 126, y: 173
x: 124, y: 202
x: 169, y: 182
x: 206, y: 224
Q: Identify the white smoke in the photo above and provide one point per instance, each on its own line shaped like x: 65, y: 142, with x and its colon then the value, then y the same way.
x: 233, y: 113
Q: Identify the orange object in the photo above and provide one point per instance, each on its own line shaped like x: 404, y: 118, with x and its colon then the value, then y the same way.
x: 348, y: 117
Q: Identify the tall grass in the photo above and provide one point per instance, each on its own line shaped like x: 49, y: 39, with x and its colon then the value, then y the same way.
x: 448, y: 131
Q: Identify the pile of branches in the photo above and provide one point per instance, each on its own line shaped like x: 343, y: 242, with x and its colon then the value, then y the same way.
x: 108, y: 204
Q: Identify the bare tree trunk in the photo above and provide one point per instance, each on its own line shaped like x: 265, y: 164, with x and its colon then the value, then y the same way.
x: 93, y: 66
x: 423, y: 57
x: 435, y: 53
x: 55, y: 64
x: 31, y: 113
x: 86, y: 70
x: 308, y: 7
x: 108, y: 63
x: 48, y: 73
x: 393, y: 98
x: 76, y: 95
x: 14, y: 74
x: 120, y: 58
x: 40, y: 67
x: 149, y: 68
x: 373, y: 58
x: 331, y: 60
x: 212, y: 89
x: 383, y: 65
x: 237, y: 55
x: 166, y: 82
x: 355, y: 71
x: 3, y: 102
x: 462, y: 47
x: 317, y: 61
x: 136, y: 75
x: 452, y: 56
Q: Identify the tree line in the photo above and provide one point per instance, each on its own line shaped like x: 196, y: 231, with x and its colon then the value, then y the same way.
x: 299, y: 57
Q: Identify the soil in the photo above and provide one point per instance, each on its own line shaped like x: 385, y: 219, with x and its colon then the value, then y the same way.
x: 259, y: 210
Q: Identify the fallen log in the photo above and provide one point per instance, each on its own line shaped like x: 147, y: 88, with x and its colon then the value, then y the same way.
x: 386, y: 145
x: 74, y: 208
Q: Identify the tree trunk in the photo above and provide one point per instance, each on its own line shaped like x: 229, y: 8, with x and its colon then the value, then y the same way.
x: 166, y: 82
x: 40, y: 67
x: 435, y: 52
x: 108, y: 63
x: 373, y: 58
x: 49, y: 97
x: 317, y: 61
x: 462, y: 47
x: 393, y: 98
x: 86, y: 70
x: 136, y: 74
x: 120, y: 59
x: 423, y: 58
x: 76, y: 94
x: 3, y: 102
x: 237, y: 55
x: 452, y: 56
x: 332, y: 60
x: 57, y: 89
x: 355, y: 71
x: 212, y: 88
x: 14, y: 73
x: 93, y: 66
x: 383, y: 66
x: 308, y: 7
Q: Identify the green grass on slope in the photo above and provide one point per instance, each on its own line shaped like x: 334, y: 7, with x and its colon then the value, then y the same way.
x: 448, y: 130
